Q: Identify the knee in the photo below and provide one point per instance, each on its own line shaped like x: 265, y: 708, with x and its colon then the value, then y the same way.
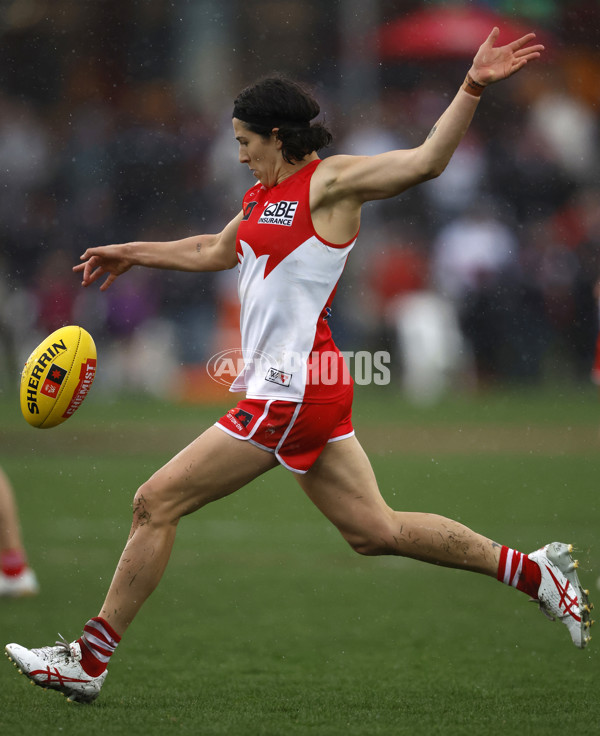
x: 371, y: 544
x: 376, y: 534
x: 149, y: 506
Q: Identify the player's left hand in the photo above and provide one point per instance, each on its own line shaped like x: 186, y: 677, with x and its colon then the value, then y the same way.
x: 493, y: 63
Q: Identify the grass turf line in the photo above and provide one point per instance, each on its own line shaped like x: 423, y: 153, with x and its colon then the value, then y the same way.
x: 266, y: 623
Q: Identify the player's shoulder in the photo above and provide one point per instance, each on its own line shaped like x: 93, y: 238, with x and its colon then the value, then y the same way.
x: 337, y: 161
x: 335, y: 180
x: 332, y: 167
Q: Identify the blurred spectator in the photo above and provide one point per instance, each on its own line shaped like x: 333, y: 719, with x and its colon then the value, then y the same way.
x: 574, y: 232
x: 568, y: 127
x: 462, y: 182
x: 26, y: 167
x: 474, y: 263
x: 54, y: 290
x: 433, y: 355
x: 395, y: 269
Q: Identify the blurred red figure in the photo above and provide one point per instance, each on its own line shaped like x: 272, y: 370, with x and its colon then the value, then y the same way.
x: 17, y: 579
x: 54, y: 293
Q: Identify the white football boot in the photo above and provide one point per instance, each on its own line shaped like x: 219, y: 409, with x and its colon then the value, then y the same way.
x: 18, y: 586
x: 57, y: 668
x: 560, y: 594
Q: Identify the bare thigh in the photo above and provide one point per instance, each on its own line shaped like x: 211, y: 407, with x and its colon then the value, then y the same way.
x: 211, y: 467
x: 342, y: 485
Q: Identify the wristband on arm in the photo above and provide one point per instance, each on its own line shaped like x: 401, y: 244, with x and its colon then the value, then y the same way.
x: 472, y: 87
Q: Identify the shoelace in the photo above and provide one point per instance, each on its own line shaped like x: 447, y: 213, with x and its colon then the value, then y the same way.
x: 62, y: 644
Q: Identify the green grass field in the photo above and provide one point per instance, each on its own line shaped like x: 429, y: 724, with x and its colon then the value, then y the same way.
x: 267, y: 623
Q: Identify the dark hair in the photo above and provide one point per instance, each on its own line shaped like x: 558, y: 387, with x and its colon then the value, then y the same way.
x: 278, y: 102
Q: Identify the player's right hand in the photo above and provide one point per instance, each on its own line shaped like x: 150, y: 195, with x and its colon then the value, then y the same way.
x: 106, y: 259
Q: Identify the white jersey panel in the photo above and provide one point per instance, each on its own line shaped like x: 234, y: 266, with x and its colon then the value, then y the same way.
x: 280, y: 314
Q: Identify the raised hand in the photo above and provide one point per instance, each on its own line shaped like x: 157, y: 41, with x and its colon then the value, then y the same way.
x: 493, y: 63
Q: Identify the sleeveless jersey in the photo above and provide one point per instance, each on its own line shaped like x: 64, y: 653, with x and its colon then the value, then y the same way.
x: 287, y: 280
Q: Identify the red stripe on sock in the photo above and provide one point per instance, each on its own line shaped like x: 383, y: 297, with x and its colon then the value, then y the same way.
x: 108, y: 628
x: 530, y: 576
x: 502, y: 563
x: 516, y: 561
x: 530, y: 579
x: 92, y: 652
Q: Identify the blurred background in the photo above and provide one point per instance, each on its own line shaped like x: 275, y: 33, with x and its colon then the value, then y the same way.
x: 115, y: 126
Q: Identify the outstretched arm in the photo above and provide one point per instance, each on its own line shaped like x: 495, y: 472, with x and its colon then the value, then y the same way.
x: 491, y: 64
x: 363, y: 178
x: 196, y: 253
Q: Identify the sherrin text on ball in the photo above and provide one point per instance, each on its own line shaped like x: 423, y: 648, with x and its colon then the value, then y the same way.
x: 57, y: 377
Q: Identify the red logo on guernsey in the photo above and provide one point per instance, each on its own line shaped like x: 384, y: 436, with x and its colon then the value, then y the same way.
x: 279, y: 213
x: 248, y: 210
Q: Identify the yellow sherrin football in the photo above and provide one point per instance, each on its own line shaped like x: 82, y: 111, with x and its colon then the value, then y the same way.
x: 57, y: 377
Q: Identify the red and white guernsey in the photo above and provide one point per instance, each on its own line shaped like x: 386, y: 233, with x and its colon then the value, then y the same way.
x: 287, y: 280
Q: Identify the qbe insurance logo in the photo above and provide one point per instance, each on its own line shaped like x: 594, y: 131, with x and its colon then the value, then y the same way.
x: 279, y: 213
x: 327, y: 368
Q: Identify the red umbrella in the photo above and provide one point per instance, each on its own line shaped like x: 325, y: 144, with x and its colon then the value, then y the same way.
x: 444, y: 32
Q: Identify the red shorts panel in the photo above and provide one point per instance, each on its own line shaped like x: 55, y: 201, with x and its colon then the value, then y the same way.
x: 297, y: 433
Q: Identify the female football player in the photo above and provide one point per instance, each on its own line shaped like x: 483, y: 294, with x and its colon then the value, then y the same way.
x: 290, y: 242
